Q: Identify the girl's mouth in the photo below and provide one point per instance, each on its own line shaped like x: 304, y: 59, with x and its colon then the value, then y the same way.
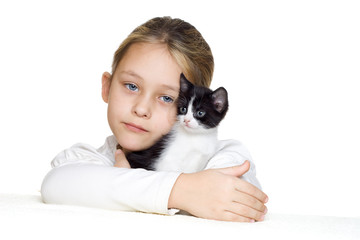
x: 135, y: 128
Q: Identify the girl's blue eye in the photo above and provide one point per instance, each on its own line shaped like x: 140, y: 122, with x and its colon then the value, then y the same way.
x: 131, y: 87
x: 167, y: 99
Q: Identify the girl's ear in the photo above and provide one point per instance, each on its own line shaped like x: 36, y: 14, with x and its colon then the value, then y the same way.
x: 105, y: 83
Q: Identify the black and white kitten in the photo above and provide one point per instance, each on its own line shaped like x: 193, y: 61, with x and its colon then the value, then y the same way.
x: 192, y: 141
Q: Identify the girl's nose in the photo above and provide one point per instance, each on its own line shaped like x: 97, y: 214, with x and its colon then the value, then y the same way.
x: 143, y: 108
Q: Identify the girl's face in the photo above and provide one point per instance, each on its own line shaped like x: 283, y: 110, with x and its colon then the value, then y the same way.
x: 141, y: 95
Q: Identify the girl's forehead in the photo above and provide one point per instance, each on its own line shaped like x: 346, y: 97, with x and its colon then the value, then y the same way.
x: 150, y: 54
x: 150, y: 62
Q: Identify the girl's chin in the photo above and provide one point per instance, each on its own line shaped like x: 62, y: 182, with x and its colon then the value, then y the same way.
x: 128, y: 146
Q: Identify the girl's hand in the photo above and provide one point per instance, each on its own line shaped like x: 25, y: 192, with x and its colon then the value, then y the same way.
x: 219, y: 194
x: 120, y: 160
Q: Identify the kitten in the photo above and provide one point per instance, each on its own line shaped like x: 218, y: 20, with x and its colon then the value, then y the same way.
x: 192, y: 141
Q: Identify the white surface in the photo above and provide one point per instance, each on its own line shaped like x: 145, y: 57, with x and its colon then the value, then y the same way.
x: 25, y: 216
x: 291, y: 67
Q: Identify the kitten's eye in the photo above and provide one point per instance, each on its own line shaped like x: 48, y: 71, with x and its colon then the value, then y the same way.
x: 183, y: 110
x: 132, y: 87
x: 200, y: 114
x: 167, y: 99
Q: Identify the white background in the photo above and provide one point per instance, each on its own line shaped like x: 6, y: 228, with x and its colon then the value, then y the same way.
x: 292, y: 69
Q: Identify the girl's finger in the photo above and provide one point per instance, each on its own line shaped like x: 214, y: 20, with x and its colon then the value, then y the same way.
x: 234, y: 217
x: 236, y: 171
x: 120, y: 160
x: 248, y: 188
x: 246, y: 212
x: 249, y: 201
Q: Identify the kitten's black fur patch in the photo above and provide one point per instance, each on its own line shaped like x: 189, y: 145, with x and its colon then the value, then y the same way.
x: 146, y: 158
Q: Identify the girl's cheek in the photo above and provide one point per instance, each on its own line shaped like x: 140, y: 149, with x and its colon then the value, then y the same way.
x: 172, y: 116
x: 169, y: 120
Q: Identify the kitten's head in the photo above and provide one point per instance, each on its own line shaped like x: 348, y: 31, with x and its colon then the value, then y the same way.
x: 200, y: 108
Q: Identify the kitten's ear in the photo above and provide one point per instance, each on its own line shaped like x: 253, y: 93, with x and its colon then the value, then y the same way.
x: 220, y: 99
x: 185, y: 85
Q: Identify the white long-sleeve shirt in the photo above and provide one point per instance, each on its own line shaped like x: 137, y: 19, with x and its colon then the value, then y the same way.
x: 84, y: 175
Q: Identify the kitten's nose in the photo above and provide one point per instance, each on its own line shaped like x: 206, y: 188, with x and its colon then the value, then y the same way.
x: 186, y: 121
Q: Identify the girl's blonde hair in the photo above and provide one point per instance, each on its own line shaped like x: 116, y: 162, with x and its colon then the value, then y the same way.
x: 185, y: 44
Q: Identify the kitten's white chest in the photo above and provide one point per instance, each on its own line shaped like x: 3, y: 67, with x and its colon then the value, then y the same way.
x: 187, y: 152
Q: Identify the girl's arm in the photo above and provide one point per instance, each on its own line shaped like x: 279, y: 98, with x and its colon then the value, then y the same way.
x: 82, y: 176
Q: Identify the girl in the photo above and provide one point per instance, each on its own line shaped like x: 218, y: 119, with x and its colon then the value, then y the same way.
x: 141, y: 93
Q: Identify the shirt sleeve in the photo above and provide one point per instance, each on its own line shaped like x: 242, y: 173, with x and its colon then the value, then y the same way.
x: 83, y: 176
x: 231, y: 153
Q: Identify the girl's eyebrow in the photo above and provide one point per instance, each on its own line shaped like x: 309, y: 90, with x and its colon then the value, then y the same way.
x: 172, y: 88
x: 131, y: 73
